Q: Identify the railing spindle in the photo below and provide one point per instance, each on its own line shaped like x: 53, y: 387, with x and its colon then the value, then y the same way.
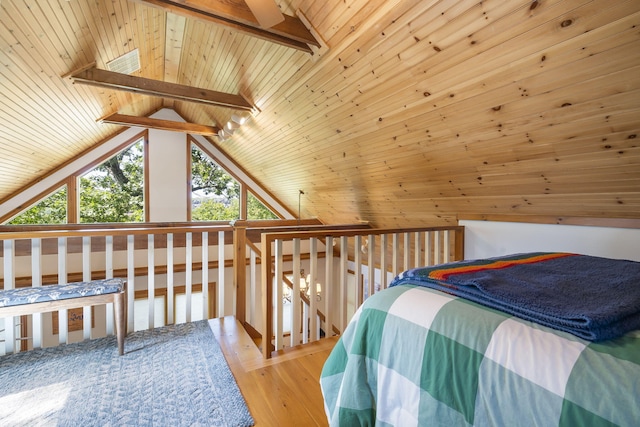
x: 9, y: 283
x: 344, y: 271
x: 296, y: 302
x: 86, y: 277
x: 131, y: 286
x: 407, y: 251
x: 170, y: 281
x: 328, y: 288
x: 253, y: 289
x: 279, y: 335
x: 396, y: 254
x: 36, y: 281
x: 447, y: 245
x: 358, y: 273
x: 314, y: 328
x: 63, y: 323
x: 221, y: 285
x: 151, y: 287
x: 417, y: 248
x: 305, y: 323
x: 188, y: 276
x: 205, y: 275
x: 383, y: 261
x: 109, y: 275
x: 371, y: 270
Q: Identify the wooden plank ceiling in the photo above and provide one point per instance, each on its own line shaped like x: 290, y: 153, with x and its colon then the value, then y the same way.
x: 411, y: 112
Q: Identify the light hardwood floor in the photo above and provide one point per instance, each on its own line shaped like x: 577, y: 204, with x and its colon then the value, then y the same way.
x: 283, y: 390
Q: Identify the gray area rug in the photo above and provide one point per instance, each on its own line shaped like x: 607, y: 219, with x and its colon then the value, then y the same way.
x: 170, y: 376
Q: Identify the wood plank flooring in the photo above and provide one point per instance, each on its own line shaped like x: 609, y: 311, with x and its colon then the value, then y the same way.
x: 283, y: 390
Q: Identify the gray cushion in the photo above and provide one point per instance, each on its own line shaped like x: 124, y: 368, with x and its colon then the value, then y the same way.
x: 21, y: 296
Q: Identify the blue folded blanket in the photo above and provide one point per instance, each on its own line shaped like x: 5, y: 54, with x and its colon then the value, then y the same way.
x: 591, y: 297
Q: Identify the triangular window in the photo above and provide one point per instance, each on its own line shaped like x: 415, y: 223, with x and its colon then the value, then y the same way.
x: 215, y: 195
x: 257, y: 210
x: 114, y: 191
x: 50, y: 210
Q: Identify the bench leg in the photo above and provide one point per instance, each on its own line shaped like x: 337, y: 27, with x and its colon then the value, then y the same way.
x: 119, y: 310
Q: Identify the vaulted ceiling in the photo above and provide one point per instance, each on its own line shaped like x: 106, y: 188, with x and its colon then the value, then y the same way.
x: 408, y: 112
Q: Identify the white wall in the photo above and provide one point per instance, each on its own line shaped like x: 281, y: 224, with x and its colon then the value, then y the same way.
x: 168, y: 174
x: 487, y: 239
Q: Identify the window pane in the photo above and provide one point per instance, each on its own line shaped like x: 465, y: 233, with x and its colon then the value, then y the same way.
x: 215, y: 195
x: 51, y: 210
x: 114, y: 191
x: 257, y: 210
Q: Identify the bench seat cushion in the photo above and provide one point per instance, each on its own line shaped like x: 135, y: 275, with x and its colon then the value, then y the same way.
x: 21, y: 296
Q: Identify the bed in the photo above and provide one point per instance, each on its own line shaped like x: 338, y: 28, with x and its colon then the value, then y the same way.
x: 455, y: 345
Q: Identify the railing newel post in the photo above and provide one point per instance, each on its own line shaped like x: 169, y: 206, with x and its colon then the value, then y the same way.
x: 267, y: 296
x: 240, y: 269
x: 344, y: 271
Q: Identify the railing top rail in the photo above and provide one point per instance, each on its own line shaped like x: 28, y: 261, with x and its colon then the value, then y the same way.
x: 304, y: 228
x: 125, y: 231
x: 270, y: 223
x: 353, y: 232
x: 108, y: 225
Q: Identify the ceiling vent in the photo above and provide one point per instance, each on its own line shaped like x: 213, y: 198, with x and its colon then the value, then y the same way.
x: 125, y: 64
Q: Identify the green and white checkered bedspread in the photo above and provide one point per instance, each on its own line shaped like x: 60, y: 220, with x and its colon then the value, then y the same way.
x: 414, y: 356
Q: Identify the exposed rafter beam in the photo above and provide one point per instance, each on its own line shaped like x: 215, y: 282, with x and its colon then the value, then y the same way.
x: 235, y: 14
x: 150, y: 123
x: 141, y: 85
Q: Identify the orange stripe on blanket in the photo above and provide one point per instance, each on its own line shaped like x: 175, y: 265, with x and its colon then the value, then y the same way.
x: 443, y: 274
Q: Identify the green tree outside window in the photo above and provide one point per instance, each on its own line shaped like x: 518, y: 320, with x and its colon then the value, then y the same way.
x: 51, y: 210
x: 215, y: 195
x: 257, y: 210
x: 113, y: 192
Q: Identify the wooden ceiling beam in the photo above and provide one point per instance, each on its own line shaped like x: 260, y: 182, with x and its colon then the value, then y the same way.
x: 141, y: 85
x: 235, y: 14
x: 151, y: 123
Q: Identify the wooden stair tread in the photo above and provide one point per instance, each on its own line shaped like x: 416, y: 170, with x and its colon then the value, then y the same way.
x: 283, y: 390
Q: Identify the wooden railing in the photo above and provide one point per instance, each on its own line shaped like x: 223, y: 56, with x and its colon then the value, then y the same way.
x: 225, y: 264
x: 357, y: 263
x: 164, y: 260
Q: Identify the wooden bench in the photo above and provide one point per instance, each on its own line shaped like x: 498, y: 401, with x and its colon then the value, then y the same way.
x: 42, y: 299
